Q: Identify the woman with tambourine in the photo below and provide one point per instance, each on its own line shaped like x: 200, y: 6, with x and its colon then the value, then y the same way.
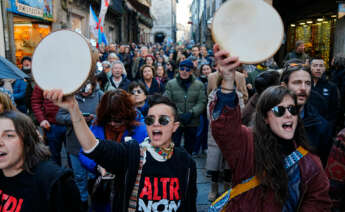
x: 273, y: 169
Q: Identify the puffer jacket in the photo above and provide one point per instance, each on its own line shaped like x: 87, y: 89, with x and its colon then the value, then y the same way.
x: 239, y: 153
x: 192, y: 99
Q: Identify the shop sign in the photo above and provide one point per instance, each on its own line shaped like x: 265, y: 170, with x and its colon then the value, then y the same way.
x: 341, y: 10
x: 33, y: 8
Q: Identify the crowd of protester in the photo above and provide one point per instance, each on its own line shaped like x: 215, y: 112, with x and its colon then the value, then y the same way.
x: 247, y: 120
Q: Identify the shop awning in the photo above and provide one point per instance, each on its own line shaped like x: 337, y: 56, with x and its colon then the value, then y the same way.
x: 140, y: 7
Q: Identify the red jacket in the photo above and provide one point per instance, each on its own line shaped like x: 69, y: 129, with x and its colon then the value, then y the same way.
x: 43, y: 108
x: 237, y: 145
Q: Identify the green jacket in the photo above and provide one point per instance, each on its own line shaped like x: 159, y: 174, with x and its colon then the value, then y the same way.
x: 191, y: 100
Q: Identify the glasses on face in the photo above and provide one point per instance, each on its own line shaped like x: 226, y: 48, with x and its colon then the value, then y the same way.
x: 184, y: 68
x: 139, y: 91
x: 162, y: 120
x: 279, y: 111
x: 115, y: 120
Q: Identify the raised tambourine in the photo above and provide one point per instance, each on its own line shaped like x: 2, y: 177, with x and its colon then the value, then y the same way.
x: 249, y: 29
x: 63, y: 60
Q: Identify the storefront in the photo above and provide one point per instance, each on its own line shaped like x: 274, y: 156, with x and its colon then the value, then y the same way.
x: 317, y: 34
x: 31, y: 22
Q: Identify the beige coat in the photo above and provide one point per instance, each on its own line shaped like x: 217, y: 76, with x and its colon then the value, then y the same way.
x: 240, y: 81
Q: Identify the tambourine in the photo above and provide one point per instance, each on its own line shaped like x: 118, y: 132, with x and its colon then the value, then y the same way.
x: 250, y: 29
x: 63, y: 60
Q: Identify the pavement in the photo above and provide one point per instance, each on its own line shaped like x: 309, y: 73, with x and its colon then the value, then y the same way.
x: 203, y: 184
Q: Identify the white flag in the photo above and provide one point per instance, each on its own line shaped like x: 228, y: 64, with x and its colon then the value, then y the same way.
x: 93, y: 23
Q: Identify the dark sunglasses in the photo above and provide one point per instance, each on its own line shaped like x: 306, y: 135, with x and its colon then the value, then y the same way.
x: 136, y: 92
x: 184, y: 68
x: 116, y: 120
x: 162, y: 120
x: 279, y: 111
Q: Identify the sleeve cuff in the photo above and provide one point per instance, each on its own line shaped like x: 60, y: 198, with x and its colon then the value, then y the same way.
x: 93, y: 148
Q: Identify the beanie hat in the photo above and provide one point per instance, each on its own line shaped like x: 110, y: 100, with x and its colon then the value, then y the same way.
x: 186, y: 63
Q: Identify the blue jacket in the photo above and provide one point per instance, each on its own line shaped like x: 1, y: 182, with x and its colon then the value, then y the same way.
x: 138, y: 134
x: 19, y: 91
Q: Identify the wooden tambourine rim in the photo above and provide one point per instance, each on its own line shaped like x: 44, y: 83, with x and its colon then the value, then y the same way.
x: 249, y: 62
x: 93, y: 56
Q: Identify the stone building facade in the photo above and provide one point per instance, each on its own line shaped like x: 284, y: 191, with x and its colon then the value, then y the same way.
x: 164, y: 24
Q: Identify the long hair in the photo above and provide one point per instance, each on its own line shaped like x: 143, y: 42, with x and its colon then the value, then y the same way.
x: 6, y: 102
x: 34, y: 149
x: 117, y: 103
x: 269, y: 161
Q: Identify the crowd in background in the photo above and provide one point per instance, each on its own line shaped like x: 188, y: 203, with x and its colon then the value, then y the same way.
x: 188, y: 75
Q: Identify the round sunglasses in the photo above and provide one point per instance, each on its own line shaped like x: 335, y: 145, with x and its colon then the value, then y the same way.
x: 183, y: 68
x: 162, y: 120
x: 279, y: 111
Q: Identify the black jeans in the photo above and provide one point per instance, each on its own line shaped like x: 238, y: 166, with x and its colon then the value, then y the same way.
x: 189, y: 135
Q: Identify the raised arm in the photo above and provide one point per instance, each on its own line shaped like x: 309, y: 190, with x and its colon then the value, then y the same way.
x: 234, y: 139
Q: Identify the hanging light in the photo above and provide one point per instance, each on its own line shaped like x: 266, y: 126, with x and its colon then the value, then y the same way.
x: 320, y: 19
x: 309, y: 22
x: 293, y: 25
x: 302, y: 23
x: 333, y: 16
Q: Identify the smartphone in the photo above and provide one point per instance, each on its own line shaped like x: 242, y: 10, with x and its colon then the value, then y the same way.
x: 86, y: 114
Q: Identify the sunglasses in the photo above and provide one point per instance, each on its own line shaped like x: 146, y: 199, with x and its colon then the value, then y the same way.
x: 139, y: 91
x: 162, y: 120
x: 184, y: 68
x: 279, y: 111
x: 116, y: 120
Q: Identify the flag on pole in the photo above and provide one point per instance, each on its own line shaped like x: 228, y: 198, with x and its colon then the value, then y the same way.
x: 93, y: 23
x: 104, y: 9
x: 101, y: 35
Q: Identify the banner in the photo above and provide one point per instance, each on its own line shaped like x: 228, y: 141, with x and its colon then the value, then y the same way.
x: 33, y: 8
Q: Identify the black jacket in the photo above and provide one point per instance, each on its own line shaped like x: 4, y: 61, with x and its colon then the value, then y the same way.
x: 123, y: 84
x: 155, y: 88
x: 330, y: 93
x: 122, y: 159
x: 318, y: 130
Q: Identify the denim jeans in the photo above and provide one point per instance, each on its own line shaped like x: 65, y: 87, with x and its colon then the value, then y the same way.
x: 189, y: 135
x: 202, y: 135
x: 80, y: 177
x: 55, y: 136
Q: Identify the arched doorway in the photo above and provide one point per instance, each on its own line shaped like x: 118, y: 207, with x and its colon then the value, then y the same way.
x: 159, y: 37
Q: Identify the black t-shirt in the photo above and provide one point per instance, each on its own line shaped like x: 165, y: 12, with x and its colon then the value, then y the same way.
x: 18, y: 193
x: 50, y: 189
x: 160, y: 185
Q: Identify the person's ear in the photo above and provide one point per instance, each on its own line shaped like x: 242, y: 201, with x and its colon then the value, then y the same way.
x: 176, y: 126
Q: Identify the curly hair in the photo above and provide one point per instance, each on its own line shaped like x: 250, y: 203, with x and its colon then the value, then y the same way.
x: 269, y: 161
x: 117, y: 103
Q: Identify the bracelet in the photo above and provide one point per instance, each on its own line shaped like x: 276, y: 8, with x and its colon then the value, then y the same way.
x: 227, y: 89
